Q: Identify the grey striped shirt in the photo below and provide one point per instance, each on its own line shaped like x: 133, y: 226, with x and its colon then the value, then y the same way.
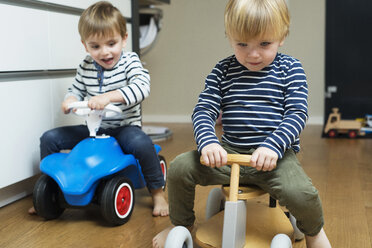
x: 128, y: 76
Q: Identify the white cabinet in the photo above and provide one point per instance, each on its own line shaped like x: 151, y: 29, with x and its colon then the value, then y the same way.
x: 124, y: 5
x: 23, y: 121
x: 65, y: 48
x: 24, y: 39
x: 36, y: 39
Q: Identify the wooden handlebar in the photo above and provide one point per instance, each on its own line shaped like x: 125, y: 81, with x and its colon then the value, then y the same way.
x: 241, y: 159
x: 234, y: 160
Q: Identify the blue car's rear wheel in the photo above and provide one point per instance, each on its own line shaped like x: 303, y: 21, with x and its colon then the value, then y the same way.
x: 163, y: 166
x: 117, y: 200
x: 46, y: 197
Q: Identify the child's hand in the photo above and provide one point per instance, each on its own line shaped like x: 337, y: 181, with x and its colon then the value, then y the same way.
x: 66, y: 102
x: 264, y: 159
x: 98, y: 102
x: 214, y: 155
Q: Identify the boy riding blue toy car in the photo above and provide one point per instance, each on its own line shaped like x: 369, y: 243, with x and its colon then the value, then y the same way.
x: 95, y: 171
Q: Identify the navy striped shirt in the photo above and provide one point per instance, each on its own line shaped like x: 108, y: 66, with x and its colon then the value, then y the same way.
x: 128, y: 76
x: 265, y: 108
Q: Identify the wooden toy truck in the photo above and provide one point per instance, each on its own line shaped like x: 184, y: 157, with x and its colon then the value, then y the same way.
x: 335, y: 125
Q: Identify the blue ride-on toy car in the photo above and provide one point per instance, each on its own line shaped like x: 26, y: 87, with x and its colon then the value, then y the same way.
x: 95, y: 171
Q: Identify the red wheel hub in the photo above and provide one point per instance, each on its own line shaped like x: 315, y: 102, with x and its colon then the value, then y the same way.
x: 352, y: 134
x: 123, y: 199
x: 163, y: 169
x: 332, y: 133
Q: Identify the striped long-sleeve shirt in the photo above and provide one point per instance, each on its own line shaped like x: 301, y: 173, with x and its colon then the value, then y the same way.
x: 127, y: 76
x: 265, y: 108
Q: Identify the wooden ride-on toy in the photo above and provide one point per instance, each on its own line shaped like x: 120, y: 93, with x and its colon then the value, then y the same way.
x: 245, y: 222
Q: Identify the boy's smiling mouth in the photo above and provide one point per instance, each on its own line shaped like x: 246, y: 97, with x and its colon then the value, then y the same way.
x: 108, y: 61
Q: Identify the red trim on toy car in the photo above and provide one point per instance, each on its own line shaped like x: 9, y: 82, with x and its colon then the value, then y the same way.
x: 124, y: 200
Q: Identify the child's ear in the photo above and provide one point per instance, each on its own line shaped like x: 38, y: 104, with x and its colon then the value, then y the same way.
x: 85, y: 45
x: 125, y: 39
x: 281, y: 42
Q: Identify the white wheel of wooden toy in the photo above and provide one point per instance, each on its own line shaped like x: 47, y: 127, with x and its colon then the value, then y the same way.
x: 215, y: 203
x: 179, y: 237
x: 298, y: 235
x: 281, y: 241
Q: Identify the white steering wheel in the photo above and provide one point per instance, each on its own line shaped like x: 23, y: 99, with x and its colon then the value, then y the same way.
x: 93, y: 118
x: 82, y: 109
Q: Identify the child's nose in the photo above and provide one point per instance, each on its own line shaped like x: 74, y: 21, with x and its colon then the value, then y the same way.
x: 105, y: 50
x: 253, y: 53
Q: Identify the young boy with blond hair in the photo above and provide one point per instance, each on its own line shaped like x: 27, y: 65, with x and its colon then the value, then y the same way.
x: 262, y: 95
x: 110, y: 75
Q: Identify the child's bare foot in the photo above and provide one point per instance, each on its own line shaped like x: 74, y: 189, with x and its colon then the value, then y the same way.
x: 159, y: 240
x: 32, y: 211
x: 160, y: 204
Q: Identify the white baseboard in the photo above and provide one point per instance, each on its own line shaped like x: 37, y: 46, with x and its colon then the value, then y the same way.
x: 313, y: 120
x: 17, y: 191
x: 167, y: 118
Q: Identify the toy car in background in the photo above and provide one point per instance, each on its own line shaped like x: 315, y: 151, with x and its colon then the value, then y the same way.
x: 335, y: 126
x: 95, y: 171
x: 367, y: 124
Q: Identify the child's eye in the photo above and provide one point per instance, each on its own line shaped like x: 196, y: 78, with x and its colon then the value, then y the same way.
x: 242, y: 44
x: 95, y: 46
x: 265, y: 43
x: 112, y: 44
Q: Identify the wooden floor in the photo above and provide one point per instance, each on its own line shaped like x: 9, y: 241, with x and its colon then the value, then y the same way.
x: 341, y: 169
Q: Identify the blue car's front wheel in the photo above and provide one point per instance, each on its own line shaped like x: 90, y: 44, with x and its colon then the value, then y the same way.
x: 46, y: 198
x: 117, y: 200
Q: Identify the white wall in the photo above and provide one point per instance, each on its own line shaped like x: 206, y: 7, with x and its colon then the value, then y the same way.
x: 306, y: 42
x: 192, y: 41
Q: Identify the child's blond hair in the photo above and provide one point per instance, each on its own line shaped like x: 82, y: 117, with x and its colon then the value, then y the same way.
x: 247, y: 19
x: 102, y: 19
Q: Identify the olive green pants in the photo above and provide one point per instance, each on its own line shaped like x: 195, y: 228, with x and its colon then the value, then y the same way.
x: 288, y: 183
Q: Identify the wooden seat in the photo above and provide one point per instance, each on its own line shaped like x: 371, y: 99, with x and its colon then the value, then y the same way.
x: 245, y: 192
